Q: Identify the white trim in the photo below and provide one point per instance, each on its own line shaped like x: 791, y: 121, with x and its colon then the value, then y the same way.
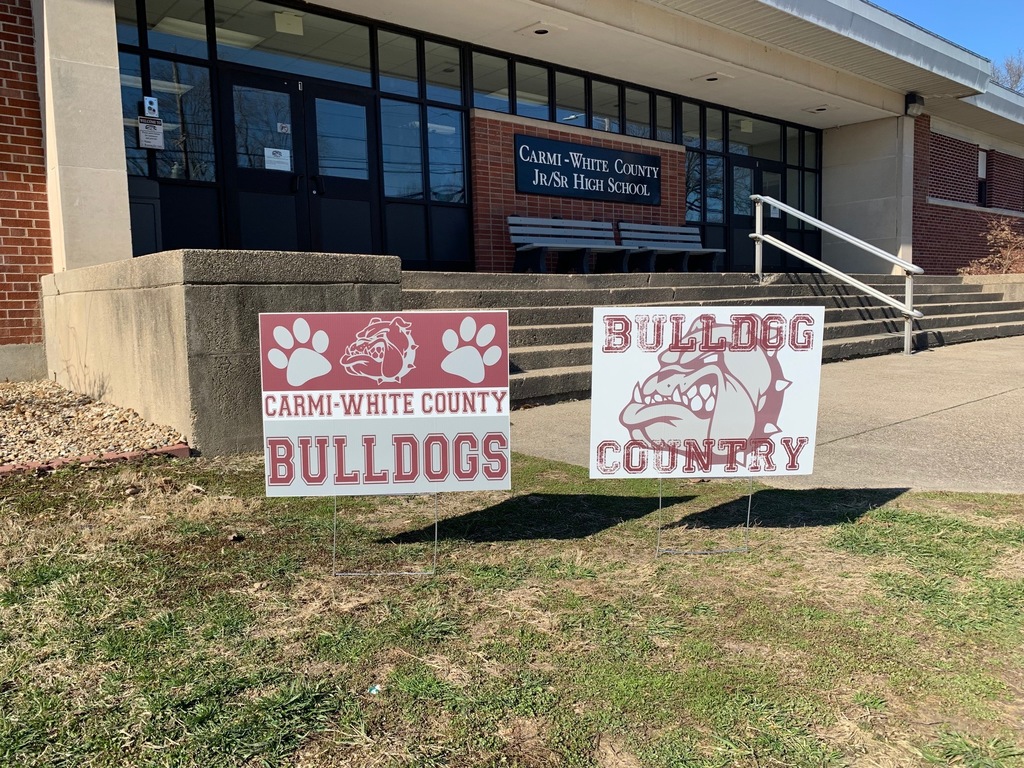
x: 983, y: 140
x: 976, y: 208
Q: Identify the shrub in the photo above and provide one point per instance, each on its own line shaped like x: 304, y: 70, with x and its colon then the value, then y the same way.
x: 1006, y: 250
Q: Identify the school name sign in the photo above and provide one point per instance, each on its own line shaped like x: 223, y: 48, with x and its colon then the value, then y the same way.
x: 359, y: 403
x: 705, y: 391
x: 566, y: 169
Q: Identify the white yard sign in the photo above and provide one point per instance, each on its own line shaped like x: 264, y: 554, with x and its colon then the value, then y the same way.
x: 705, y: 391
x: 385, y: 403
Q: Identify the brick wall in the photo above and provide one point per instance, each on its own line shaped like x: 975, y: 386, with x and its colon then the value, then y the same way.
x: 954, y: 169
x: 947, y: 238
x: 25, y: 248
x: 1005, y: 181
x: 492, y: 150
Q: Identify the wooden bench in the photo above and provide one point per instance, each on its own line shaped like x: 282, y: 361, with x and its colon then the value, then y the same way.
x: 648, y: 241
x: 574, y: 241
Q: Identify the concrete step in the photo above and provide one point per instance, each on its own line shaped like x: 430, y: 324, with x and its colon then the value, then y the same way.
x: 510, y: 299
x: 563, y: 383
x: 929, y: 324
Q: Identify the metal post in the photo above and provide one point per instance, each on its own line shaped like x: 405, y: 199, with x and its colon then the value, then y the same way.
x: 758, y: 232
x: 908, y: 320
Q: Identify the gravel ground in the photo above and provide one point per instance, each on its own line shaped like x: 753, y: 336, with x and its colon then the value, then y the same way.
x: 40, y: 421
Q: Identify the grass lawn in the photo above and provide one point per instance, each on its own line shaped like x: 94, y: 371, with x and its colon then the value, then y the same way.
x: 167, y: 613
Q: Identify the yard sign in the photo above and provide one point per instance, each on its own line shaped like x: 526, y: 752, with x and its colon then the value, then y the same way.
x: 705, y: 391
x: 359, y: 403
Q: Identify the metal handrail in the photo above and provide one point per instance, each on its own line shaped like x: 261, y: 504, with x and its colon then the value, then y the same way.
x: 906, y: 307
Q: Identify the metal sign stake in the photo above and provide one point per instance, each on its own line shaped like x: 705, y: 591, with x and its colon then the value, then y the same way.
x: 334, y: 553
x: 726, y: 550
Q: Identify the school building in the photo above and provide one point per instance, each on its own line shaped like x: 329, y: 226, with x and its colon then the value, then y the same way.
x: 415, y: 129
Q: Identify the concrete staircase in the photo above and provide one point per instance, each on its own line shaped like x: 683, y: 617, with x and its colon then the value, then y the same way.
x: 550, y: 315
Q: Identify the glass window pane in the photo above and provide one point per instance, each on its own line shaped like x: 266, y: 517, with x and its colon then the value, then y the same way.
x: 396, y: 60
x: 714, y: 189
x: 402, y: 149
x: 792, y: 145
x: 810, y: 149
x: 694, y: 186
x: 532, y: 91
x: 127, y: 22
x: 444, y: 144
x: 638, y: 113
x: 792, y: 196
x: 663, y: 118
x: 178, y: 27
x: 691, y: 124
x: 183, y: 93
x: 742, y: 189
x: 810, y: 195
x: 490, y: 82
x: 274, y: 37
x: 341, y: 139
x: 755, y: 138
x: 444, y: 72
x: 131, y: 106
x: 263, y: 121
x: 570, y: 99
x: 714, y: 130
x: 604, y: 105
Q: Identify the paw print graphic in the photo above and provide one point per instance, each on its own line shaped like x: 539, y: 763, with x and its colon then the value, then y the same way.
x: 304, y: 362
x: 467, y: 356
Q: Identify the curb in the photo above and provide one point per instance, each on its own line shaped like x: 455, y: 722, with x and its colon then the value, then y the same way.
x: 178, y: 451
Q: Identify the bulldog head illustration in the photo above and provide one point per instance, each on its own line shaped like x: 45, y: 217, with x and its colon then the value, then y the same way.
x: 383, y: 351
x: 707, y: 394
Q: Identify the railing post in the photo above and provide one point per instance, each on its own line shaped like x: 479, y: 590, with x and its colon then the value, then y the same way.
x: 758, y: 244
x: 908, y: 320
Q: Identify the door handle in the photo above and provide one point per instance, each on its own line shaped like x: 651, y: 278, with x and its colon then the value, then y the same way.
x: 297, y: 182
x: 318, y: 184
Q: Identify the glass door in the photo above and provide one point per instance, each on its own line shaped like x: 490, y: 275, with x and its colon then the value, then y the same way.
x: 266, y: 205
x: 756, y: 177
x: 343, y: 189
x: 302, y: 169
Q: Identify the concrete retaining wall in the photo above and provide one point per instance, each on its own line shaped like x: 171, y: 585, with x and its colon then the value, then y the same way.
x: 1012, y: 286
x: 175, y: 335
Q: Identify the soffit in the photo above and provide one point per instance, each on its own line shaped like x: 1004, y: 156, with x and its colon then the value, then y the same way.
x: 773, y: 62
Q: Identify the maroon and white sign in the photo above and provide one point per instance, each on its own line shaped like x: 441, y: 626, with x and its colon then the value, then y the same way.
x: 361, y: 403
x: 705, y: 391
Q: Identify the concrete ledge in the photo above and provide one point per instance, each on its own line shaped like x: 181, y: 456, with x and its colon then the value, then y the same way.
x: 22, y: 362
x: 175, y: 335
x: 1011, y: 286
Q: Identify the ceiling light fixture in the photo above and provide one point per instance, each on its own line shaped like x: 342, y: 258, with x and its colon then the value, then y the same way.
x: 196, y: 31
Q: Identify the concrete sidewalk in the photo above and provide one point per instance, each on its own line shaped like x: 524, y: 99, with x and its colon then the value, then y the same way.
x: 949, y: 419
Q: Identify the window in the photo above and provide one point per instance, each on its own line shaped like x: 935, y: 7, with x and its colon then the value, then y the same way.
x: 401, y: 149
x: 638, y: 113
x: 982, y: 178
x: 446, y: 166
x: 396, y: 61
x: 532, y: 91
x: 443, y: 65
x: 274, y: 37
x: 754, y: 138
x: 186, y: 107
x: 131, y: 106
x: 490, y: 82
x: 663, y: 119
x: 180, y: 28
x: 570, y: 99
x: 604, y: 100
x: 691, y: 124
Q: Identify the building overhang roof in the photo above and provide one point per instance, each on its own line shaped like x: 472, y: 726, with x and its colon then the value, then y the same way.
x: 822, y: 63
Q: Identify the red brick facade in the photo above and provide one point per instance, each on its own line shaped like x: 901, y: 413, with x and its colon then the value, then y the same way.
x: 494, y: 186
x: 946, y: 237
x: 25, y: 248
x: 1005, y: 181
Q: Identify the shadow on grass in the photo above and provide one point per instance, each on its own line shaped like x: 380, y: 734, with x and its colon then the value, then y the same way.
x: 777, y: 508
x: 565, y: 516
x: 540, y: 516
